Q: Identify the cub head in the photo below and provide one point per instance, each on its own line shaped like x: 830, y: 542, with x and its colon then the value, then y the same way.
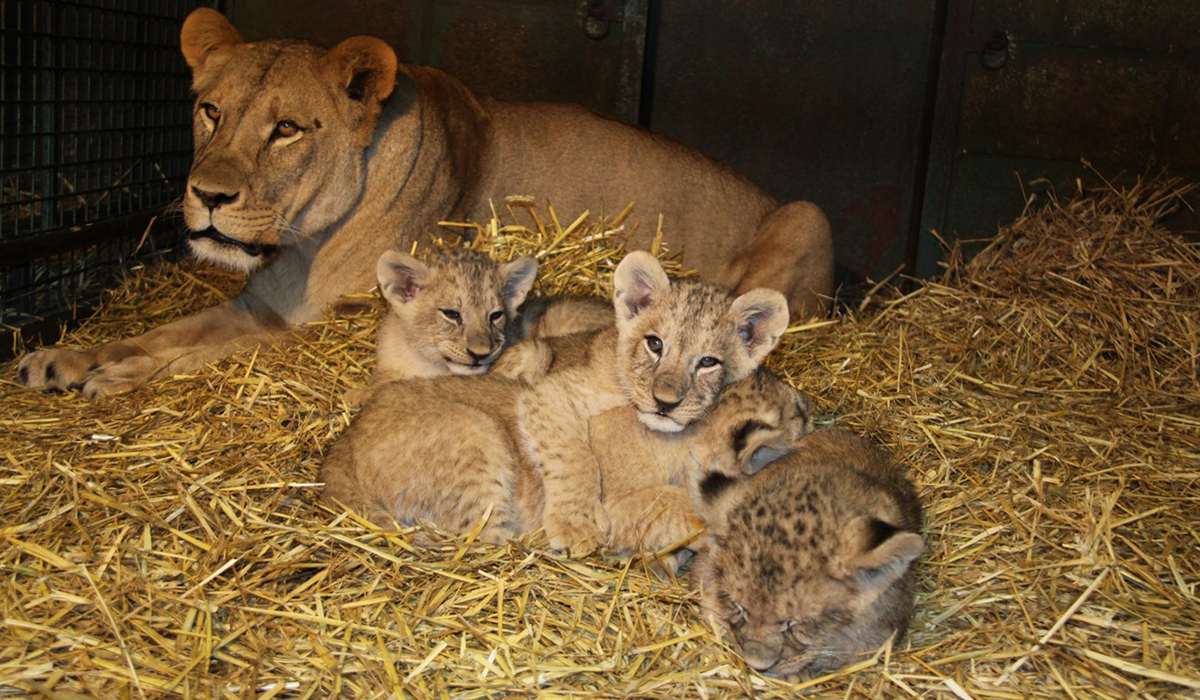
x: 679, y: 344
x: 456, y: 306
x: 754, y: 423
x: 280, y: 133
x: 807, y: 569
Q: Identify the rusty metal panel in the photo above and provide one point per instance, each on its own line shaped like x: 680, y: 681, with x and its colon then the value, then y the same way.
x: 1059, y: 103
x: 811, y: 100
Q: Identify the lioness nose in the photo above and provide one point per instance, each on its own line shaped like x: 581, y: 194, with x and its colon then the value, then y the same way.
x: 212, y: 200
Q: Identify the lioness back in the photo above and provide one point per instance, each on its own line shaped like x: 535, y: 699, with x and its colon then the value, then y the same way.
x: 808, y: 562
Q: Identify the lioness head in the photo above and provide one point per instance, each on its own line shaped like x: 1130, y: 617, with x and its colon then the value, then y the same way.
x: 280, y: 131
x: 679, y: 344
x: 456, y: 306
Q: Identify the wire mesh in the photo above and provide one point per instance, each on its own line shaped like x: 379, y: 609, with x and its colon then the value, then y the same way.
x: 94, y: 131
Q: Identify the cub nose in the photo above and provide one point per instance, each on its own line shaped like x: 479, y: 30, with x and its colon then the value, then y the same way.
x: 212, y: 200
x: 477, y: 356
x: 666, y: 403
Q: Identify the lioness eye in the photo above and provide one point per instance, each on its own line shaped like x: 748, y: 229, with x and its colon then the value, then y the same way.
x: 496, y: 316
x: 707, y: 362
x: 451, y: 315
x: 211, y: 111
x: 654, y: 344
x: 285, y: 129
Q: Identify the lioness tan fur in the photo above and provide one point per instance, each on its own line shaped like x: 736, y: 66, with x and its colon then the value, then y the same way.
x: 310, y: 163
x: 808, y: 562
x: 447, y: 315
x: 446, y: 451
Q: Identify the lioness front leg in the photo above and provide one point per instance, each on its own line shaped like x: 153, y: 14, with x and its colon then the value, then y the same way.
x: 179, y: 346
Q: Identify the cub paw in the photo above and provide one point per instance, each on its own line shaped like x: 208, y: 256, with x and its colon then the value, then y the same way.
x: 54, y: 369
x: 525, y: 361
x: 579, y: 534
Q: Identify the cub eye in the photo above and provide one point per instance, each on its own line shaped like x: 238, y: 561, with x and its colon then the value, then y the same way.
x: 211, y: 111
x: 496, y: 316
x: 706, y: 362
x: 451, y: 315
x: 654, y: 344
x: 285, y: 129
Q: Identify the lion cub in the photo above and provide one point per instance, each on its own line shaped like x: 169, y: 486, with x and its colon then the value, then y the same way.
x: 448, y: 315
x: 808, y: 564
x: 675, y: 346
x: 448, y: 450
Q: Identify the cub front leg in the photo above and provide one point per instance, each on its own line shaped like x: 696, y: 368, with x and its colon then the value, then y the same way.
x: 554, y: 433
x: 179, y: 346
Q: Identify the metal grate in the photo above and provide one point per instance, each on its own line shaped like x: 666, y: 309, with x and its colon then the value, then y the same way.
x: 94, y: 141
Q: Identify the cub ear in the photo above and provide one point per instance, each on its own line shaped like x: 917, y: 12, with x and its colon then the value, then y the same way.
x: 518, y: 278
x: 766, y: 456
x: 365, y: 68
x: 204, y: 31
x: 639, y: 282
x: 888, y: 553
x: 401, y: 276
x: 761, y: 316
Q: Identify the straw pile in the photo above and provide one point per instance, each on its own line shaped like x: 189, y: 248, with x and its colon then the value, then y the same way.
x: 1045, y: 396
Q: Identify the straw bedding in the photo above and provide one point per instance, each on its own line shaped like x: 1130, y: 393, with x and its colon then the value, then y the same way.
x: 1045, y: 396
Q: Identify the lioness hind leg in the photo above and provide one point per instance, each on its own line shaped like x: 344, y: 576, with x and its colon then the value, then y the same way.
x: 792, y: 252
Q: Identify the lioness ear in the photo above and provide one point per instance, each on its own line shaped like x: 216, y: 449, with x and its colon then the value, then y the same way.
x: 204, y: 31
x: 365, y: 67
x: 518, y: 279
x: 401, y: 276
x: 638, y: 283
x: 761, y: 316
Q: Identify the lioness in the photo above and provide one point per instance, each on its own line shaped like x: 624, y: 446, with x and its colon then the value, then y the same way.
x: 310, y: 163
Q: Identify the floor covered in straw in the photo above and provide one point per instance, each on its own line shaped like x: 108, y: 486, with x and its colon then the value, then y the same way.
x: 1045, y: 395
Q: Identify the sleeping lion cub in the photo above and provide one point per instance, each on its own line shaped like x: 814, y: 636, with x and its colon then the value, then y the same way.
x: 447, y: 315
x: 808, y: 563
x: 494, y: 443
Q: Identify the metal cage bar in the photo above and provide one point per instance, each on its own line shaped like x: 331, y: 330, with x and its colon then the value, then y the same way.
x: 95, y: 140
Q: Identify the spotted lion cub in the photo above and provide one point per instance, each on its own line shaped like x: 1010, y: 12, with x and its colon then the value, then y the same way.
x: 808, y: 563
x: 448, y: 315
x: 675, y: 346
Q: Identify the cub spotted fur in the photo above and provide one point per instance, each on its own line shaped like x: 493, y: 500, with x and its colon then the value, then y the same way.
x: 808, y: 563
x: 499, y: 443
x: 309, y: 162
x: 645, y: 474
x: 447, y: 315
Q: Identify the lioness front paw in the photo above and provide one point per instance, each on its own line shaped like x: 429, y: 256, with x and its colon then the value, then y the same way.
x: 117, y: 377
x: 55, y: 369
